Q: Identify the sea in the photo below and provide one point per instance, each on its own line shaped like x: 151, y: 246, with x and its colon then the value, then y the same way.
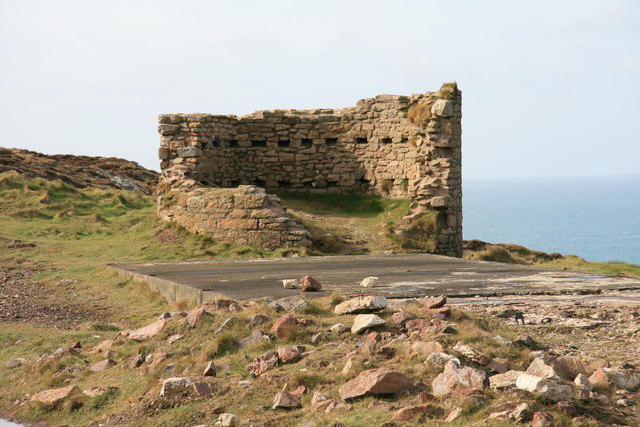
x: 594, y: 217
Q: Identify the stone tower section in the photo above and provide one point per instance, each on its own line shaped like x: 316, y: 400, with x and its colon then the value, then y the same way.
x: 218, y: 170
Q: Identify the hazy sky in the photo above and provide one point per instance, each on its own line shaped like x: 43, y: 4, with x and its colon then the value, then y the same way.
x: 549, y: 87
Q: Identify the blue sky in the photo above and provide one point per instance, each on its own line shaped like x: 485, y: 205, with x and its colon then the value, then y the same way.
x: 550, y: 88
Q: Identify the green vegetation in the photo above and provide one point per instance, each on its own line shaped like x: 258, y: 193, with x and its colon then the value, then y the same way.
x: 349, y: 205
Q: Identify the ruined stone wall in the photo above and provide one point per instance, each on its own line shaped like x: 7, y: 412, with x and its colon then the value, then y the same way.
x: 396, y: 146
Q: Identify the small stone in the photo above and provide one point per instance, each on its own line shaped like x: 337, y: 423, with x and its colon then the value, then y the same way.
x: 102, y: 365
x: 97, y: 391
x: 499, y: 365
x: 504, y: 381
x: 194, y: 316
x: 286, y: 400
x: 289, y: 355
x: 256, y: 337
x: 502, y: 340
x: 14, y: 363
x: 168, y: 371
x: 54, y: 397
x: 294, y: 303
x: 526, y: 340
x: 369, y: 282
x: 625, y: 403
x: 227, y: 324
x: 582, y: 381
x: 339, y: 328
x: 413, y: 413
x: 365, y: 304
x: 422, y: 348
x: 290, y: 283
x: 175, y: 385
x: 471, y: 353
x: 174, y: 338
x: 227, y: 420
x: 363, y: 322
x: 102, y: 347
x: 137, y: 361
x: 309, y: 284
x: 455, y: 376
x: 455, y: 413
x: 210, y: 370
x: 202, y: 389
x: 284, y: 324
x: 542, y: 419
x: 76, y: 345
x: 348, y: 367
x: 435, y: 302
x: 375, y: 382
x: 146, y: 332
x: 316, y: 338
x: 439, y: 360
x: 263, y: 363
x: 257, y: 320
x: 540, y: 368
x: 401, y: 317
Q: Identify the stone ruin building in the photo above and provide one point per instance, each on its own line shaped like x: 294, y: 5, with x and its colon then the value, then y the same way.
x: 218, y: 170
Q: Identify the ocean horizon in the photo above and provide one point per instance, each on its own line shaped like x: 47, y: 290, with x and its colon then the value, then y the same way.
x: 594, y: 217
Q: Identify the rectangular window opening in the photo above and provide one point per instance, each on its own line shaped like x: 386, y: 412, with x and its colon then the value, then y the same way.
x: 386, y: 140
x: 259, y: 143
x: 331, y: 141
x: 284, y: 143
x: 361, y: 140
x: 307, y: 142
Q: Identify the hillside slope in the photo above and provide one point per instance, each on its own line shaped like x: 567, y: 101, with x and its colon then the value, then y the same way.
x: 80, y: 171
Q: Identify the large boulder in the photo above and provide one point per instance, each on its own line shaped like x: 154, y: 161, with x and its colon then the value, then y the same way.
x: 366, y: 304
x: 309, y: 284
x: 283, y: 325
x: 457, y: 376
x: 175, y: 385
x: 471, y: 353
x: 378, y: 381
x: 540, y: 368
x: 504, y: 381
x: 286, y: 400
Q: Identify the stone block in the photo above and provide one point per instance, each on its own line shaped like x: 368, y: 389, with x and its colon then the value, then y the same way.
x: 189, y: 152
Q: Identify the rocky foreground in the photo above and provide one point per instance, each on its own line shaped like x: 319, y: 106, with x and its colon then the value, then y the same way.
x: 308, y: 362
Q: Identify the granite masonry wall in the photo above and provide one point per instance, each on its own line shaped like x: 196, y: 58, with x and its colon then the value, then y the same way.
x: 396, y: 146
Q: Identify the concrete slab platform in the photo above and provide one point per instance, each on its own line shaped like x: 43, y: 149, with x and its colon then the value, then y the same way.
x: 400, y: 276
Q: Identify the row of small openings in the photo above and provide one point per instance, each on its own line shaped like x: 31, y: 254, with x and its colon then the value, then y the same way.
x: 306, y: 142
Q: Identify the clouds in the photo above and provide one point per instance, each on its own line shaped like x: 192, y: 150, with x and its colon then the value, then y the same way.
x: 94, y: 75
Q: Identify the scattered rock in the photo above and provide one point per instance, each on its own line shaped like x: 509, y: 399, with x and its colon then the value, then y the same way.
x: 365, y: 304
x: 413, y: 413
x: 194, y: 316
x: 548, y: 388
x: 202, y: 389
x: 527, y: 341
x: 363, y: 322
x: 369, y: 282
x: 455, y: 376
x: 227, y: 420
x: 454, y: 414
x: 625, y: 403
x: 263, y: 363
x: 422, y: 348
x: 146, y: 332
x: 606, y: 376
x: 499, y: 365
x: 294, y: 303
x: 14, y: 363
x: 348, y: 366
x: 422, y: 325
x: 375, y: 382
x: 102, y: 347
x: 102, y: 365
x: 98, y: 391
x: 309, y: 284
x: 502, y: 340
x: 290, y: 283
x: 504, y: 381
x: 582, y: 381
x: 540, y: 368
x: 439, y: 360
x: 175, y: 385
x: 339, y: 328
x: 174, y: 338
x: 257, y: 320
x: 286, y: 400
x: 154, y: 359
x: 471, y: 353
x: 210, y: 370
x: 568, y: 367
x: 227, y: 324
x: 54, y: 397
x: 256, y: 337
x: 400, y: 317
x: 168, y: 371
x: 76, y: 345
x: 289, y: 355
x: 435, y: 302
x: 284, y: 324
x: 542, y: 419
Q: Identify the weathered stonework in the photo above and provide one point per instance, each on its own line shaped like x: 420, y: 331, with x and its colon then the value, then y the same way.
x: 215, y: 167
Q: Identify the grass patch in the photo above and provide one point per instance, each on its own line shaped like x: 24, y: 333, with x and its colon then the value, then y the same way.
x: 352, y: 205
